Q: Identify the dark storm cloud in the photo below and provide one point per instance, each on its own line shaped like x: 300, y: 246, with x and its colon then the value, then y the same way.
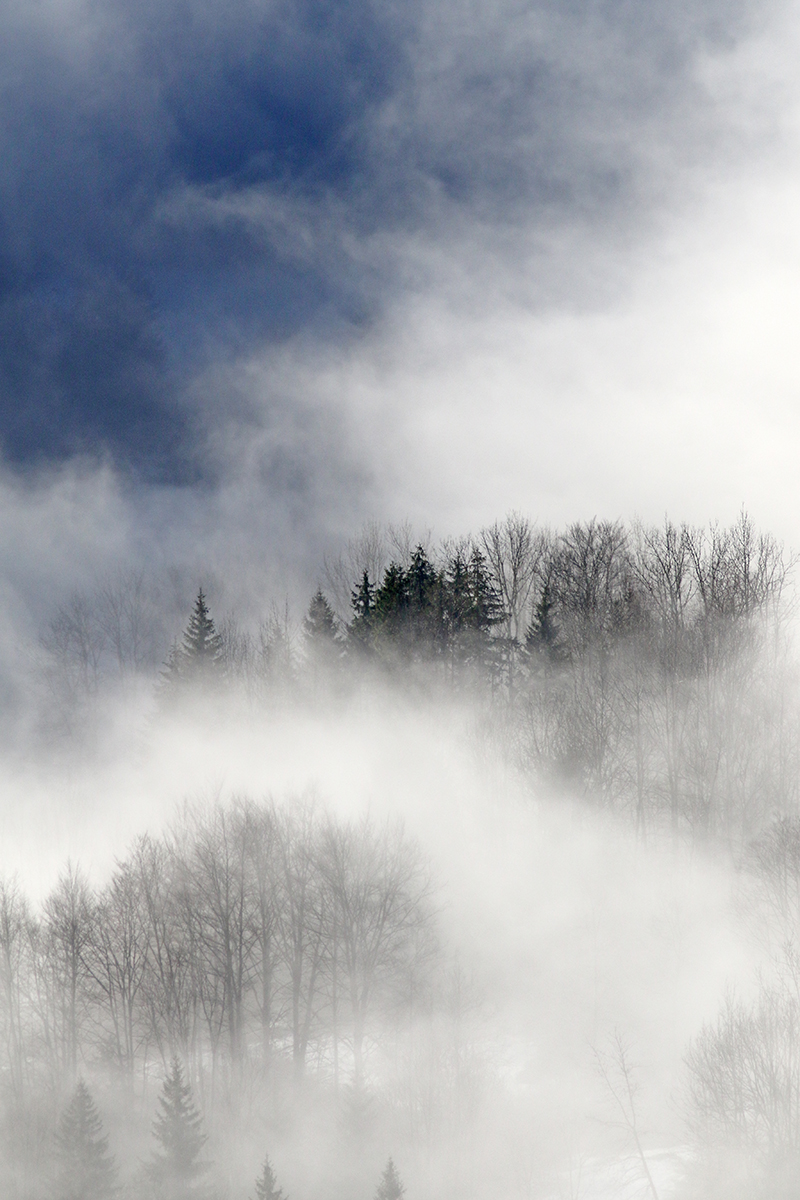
x: 180, y: 183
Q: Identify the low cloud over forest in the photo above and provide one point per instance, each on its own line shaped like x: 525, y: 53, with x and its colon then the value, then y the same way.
x: 482, y: 861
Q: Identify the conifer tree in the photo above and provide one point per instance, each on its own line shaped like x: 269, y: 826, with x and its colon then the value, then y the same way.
x: 202, y: 645
x: 390, y: 609
x: 363, y: 602
x: 543, y: 636
x: 319, y: 626
x: 320, y: 623
x: 421, y: 580
x: 390, y: 1187
x: 199, y: 655
x: 85, y: 1169
x: 487, y: 607
x: 176, y: 1170
x: 266, y: 1184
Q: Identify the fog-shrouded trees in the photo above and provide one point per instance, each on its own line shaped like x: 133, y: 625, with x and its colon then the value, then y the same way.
x: 744, y: 1078
x: 644, y: 667
x: 267, y: 1184
x: 177, y: 1171
x: 377, y: 892
x: 322, y: 640
x: 198, y: 658
x: 390, y: 1187
x: 743, y: 1068
x: 85, y: 1170
x: 249, y: 941
x: 657, y: 676
x: 112, y: 635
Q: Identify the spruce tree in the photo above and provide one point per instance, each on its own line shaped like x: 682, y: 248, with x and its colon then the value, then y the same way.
x: 320, y: 630
x: 198, y: 657
x: 426, y: 619
x: 390, y: 1187
x: 390, y: 610
x: 543, y: 636
x: 176, y: 1170
x: 320, y: 623
x: 266, y: 1184
x: 85, y: 1170
x: 363, y: 601
x: 202, y: 645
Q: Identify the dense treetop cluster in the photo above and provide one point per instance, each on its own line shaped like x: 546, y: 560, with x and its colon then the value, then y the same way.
x: 644, y: 667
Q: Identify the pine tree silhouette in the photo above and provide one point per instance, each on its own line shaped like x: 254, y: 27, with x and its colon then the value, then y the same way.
x: 201, y: 642
x: 363, y: 601
x: 85, y: 1169
x: 320, y: 623
x: 543, y: 635
x: 198, y: 657
x: 266, y: 1188
x: 390, y: 1187
x: 176, y: 1170
x: 320, y: 631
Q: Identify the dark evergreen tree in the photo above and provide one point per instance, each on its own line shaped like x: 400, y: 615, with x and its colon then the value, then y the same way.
x: 202, y: 645
x: 198, y: 657
x: 472, y: 608
x: 176, y: 1170
x: 486, y: 609
x: 266, y: 1184
x: 391, y: 606
x: 458, y: 600
x: 543, y: 636
x: 319, y: 627
x: 421, y: 582
x: 85, y: 1170
x: 390, y: 1187
x: 426, y: 626
x: 363, y: 602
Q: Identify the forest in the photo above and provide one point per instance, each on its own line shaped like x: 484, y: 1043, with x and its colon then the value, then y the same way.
x: 266, y: 972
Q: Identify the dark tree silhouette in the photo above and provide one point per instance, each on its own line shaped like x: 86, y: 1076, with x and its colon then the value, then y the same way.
x: 202, y: 645
x: 362, y: 598
x: 389, y: 614
x: 176, y: 1170
x: 323, y: 644
x: 266, y: 1184
x: 320, y: 623
x: 85, y: 1169
x: 390, y: 1187
x: 543, y: 635
x: 198, y: 657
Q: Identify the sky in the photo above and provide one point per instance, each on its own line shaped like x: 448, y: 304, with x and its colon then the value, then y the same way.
x: 272, y: 269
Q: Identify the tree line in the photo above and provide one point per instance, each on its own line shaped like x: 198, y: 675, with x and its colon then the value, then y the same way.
x: 255, y: 944
x: 85, y: 1169
x: 648, y: 669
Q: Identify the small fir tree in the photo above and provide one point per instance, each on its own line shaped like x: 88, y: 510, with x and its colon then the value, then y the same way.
x: 85, y: 1169
x: 198, y: 656
x: 390, y: 610
x: 266, y: 1184
x: 176, y: 1170
x: 543, y: 635
x: 390, y: 1187
x: 363, y: 602
x: 320, y: 630
x: 202, y: 645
